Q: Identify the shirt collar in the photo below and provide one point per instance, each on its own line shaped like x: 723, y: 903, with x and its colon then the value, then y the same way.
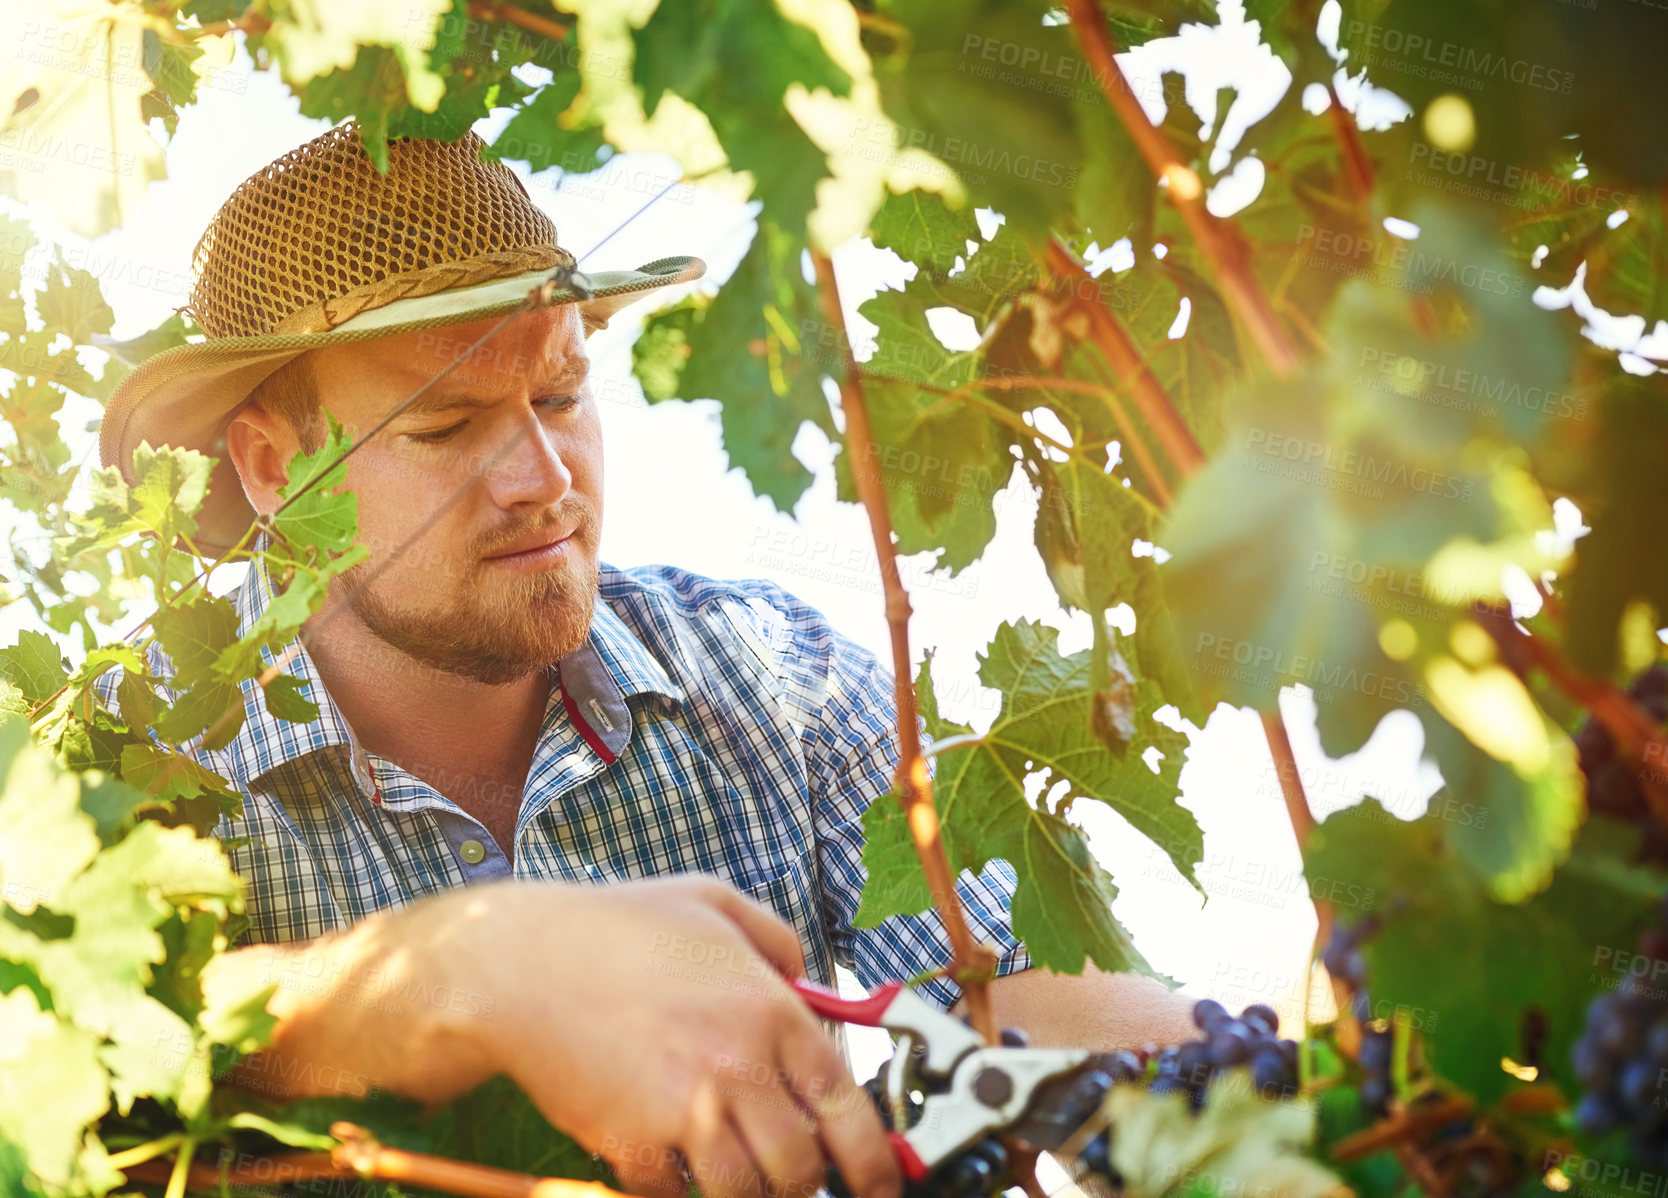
x: 266, y: 742
x: 634, y: 669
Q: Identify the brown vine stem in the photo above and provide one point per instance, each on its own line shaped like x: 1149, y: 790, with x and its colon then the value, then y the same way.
x: 1175, y: 438
x: 1405, y: 1124
x: 1358, y: 167
x: 361, y: 1156
x: 1635, y: 734
x: 1229, y: 257
x: 510, y: 15
x: 1221, y: 244
x: 1303, y: 822
x: 973, y: 961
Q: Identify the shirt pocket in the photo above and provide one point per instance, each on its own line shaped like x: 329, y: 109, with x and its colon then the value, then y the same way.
x: 793, y: 895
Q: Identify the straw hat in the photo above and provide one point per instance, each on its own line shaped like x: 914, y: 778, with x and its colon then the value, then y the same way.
x: 320, y: 249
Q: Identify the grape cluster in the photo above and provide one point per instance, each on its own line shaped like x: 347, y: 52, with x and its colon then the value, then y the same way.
x: 1612, y: 783
x: 1227, y: 1042
x: 1346, y: 963
x: 1621, y: 1060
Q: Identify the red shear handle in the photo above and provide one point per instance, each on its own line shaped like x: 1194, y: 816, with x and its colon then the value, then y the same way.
x: 865, y: 1012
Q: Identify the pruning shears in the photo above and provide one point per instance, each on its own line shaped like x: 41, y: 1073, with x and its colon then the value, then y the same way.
x: 949, y: 1097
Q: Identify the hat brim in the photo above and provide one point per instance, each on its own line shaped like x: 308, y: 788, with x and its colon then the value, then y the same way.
x: 186, y: 396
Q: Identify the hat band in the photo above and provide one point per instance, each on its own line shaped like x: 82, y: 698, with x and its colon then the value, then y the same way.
x: 322, y: 316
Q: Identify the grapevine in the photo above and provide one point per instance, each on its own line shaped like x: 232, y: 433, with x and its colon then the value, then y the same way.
x: 1321, y: 440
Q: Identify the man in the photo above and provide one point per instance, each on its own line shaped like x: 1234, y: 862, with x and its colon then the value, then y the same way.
x: 506, y: 721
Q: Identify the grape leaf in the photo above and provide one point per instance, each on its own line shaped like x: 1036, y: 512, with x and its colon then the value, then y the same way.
x: 941, y: 458
x: 33, y: 665
x: 71, y: 303
x: 752, y: 348
x: 74, y: 95
x: 497, y: 1124
x: 1237, y: 1143
x: 735, y: 60
x: 543, y: 135
x: 45, y: 840
x: 171, y: 486
x: 52, y: 1087
x: 175, y: 779
x: 942, y: 467
x: 169, y: 66
x: 1062, y: 907
x: 921, y: 228
x: 1527, y: 811
x: 310, y: 43
x: 1008, y: 133
x: 286, y: 700
x: 1311, y: 500
x: 325, y: 514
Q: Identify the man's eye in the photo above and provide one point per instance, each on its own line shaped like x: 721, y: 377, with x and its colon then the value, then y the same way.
x: 435, y: 436
x: 561, y: 403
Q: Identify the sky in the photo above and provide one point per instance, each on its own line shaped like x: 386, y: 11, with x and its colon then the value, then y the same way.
x: 670, y: 498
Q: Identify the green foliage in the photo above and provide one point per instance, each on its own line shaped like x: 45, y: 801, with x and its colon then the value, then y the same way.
x: 1348, y: 529
x: 760, y: 345
x: 93, y: 1005
x: 1554, y: 952
x: 1062, y: 907
x: 736, y: 60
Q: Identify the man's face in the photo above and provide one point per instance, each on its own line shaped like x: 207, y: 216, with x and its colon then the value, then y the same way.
x: 482, y: 502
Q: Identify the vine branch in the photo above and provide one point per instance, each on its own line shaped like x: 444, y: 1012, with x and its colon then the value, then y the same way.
x: 1358, y: 167
x: 972, y: 961
x: 1632, y: 729
x: 486, y: 10
x: 361, y: 1156
x: 1174, y: 436
x: 1221, y: 244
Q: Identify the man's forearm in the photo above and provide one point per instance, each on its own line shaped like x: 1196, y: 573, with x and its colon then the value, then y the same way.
x: 356, y: 1012
x: 1097, y: 1010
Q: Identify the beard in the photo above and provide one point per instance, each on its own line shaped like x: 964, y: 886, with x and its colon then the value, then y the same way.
x: 488, y: 629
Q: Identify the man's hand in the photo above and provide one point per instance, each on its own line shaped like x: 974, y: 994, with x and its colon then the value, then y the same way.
x: 648, y: 1020
x: 651, y: 1017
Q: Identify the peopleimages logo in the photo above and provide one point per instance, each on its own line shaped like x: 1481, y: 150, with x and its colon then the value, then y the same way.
x: 1267, y: 665
x: 1314, y: 461
x: 1425, y: 377
x: 1427, y: 53
x: 967, y: 155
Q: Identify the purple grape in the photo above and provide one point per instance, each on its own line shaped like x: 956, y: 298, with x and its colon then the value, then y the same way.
x: 1261, y: 1018
x: 1231, y: 1045
x: 1193, y: 1061
x: 1375, y: 1095
x: 1595, y: 1115
x: 1638, y: 1085
x: 1207, y: 1011
x: 1376, y: 1050
x: 1592, y: 1065
x: 1270, y: 1075
x: 1650, y: 689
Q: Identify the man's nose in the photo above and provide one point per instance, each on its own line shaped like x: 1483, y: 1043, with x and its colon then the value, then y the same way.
x: 530, y: 469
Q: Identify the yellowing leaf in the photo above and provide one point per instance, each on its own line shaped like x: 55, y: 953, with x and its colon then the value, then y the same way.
x: 45, y: 840
x: 315, y: 37
x: 1493, y: 709
x: 1238, y: 1144
x: 71, y: 81
x: 51, y: 1086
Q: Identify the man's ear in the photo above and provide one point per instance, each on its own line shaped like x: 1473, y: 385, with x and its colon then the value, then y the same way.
x: 261, y: 446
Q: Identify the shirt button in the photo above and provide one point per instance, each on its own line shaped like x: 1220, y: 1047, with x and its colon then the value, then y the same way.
x: 472, y: 851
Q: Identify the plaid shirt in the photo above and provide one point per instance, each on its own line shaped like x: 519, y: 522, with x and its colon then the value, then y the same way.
x: 709, y: 727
